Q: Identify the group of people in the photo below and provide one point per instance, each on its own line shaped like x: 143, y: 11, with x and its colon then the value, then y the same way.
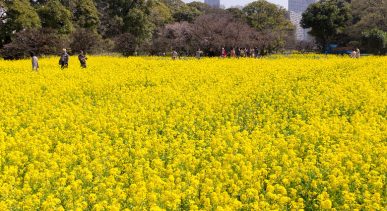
x: 233, y: 53
x: 63, y: 60
x: 355, y: 53
x: 241, y: 52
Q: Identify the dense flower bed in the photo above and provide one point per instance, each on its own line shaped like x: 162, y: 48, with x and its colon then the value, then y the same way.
x: 214, y: 134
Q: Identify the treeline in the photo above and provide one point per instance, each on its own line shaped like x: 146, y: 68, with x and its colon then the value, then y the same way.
x: 158, y: 26
x: 354, y: 23
x: 137, y: 27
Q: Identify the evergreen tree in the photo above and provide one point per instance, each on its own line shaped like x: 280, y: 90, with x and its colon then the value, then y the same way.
x: 86, y: 14
x: 263, y: 15
x: 328, y: 20
x: 56, y: 16
x: 16, y: 16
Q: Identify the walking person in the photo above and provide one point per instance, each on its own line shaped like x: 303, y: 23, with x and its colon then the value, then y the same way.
x: 64, y: 59
x: 82, y: 59
x: 35, y: 62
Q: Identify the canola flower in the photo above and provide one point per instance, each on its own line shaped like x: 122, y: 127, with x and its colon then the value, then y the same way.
x: 301, y: 132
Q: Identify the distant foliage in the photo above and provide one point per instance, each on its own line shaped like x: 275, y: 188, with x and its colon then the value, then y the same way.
x: 126, y: 44
x: 86, y: 40
x: 375, y: 40
x: 39, y: 42
x: 259, y: 24
x: 348, y: 23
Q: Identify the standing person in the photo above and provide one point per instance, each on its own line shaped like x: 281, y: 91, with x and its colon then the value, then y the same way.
x: 64, y: 59
x: 211, y: 53
x: 243, y: 52
x: 353, y: 54
x: 357, y: 53
x: 247, y: 50
x: 35, y: 62
x: 82, y: 59
x: 238, y: 53
x: 252, y: 52
x: 174, y: 54
x: 232, y: 53
x: 224, y: 53
x: 256, y: 51
x: 199, y: 53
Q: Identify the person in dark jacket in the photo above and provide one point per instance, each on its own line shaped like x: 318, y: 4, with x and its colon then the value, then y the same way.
x: 82, y: 59
x: 64, y: 59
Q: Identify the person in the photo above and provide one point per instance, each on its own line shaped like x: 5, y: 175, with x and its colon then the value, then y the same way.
x: 243, y: 52
x: 64, y: 59
x: 248, y: 53
x: 211, y: 53
x: 82, y: 59
x: 353, y: 54
x: 233, y: 53
x: 174, y: 54
x: 35, y: 62
x: 256, y: 52
x: 238, y: 53
x: 357, y: 53
x: 252, y: 53
x: 199, y: 53
x: 224, y: 53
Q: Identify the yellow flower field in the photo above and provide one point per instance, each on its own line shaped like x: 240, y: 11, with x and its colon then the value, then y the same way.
x: 285, y: 133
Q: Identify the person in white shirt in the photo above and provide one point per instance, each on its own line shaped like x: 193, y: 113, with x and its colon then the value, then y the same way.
x: 35, y: 62
x: 357, y: 53
x: 353, y: 54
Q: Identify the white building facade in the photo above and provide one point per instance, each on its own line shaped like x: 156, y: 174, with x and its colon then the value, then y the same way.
x: 213, y: 3
x: 296, y: 8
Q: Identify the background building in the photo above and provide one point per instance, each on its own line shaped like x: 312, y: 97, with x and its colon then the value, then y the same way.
x: 213, y: 3
x: 296, y: 8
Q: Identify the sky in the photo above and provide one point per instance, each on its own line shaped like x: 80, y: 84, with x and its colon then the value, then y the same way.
x: 229, y: 3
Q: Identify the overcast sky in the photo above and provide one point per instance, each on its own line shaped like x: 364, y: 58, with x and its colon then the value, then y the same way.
x: 229, y: 3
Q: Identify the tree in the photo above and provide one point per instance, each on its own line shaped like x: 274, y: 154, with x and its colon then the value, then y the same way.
x: 86, y: 14
x: 160, y: 14
x: 263, y: 15
x: 86, y: 40
x: 16, y: 16
x: 174, y: 5
x: 217, y: 30
x: 126, y: 44
x: 126, y: 16
x: 237, y: 13
x: 327, y: 20
x: 375, y: 41
x: 40, y: 42
x: 271, y: 22
x: 138, y: 23
x: 55, y: 16
x: 186, y: 13
x: 175, y: 36
x: 368, y: 15
x: 201, y: 7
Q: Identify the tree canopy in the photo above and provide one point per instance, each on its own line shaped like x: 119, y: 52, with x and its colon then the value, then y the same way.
x: 147, y: 25
x: 355, y: 23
